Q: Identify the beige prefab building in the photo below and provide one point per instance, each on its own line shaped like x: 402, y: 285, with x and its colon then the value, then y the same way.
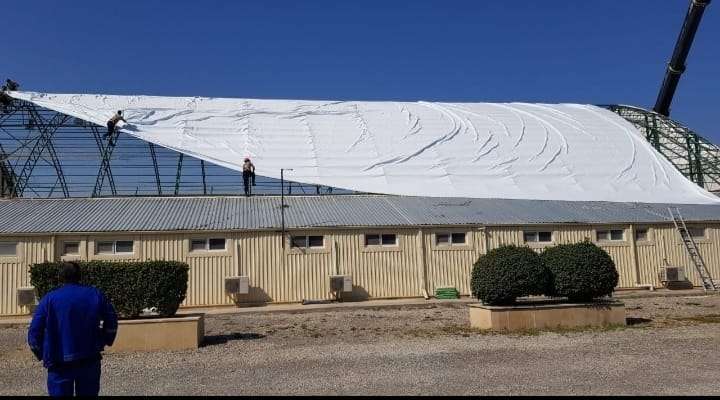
x: 391, y: 246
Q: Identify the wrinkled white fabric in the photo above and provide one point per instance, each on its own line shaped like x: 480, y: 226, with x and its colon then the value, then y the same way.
x: 479, y: 150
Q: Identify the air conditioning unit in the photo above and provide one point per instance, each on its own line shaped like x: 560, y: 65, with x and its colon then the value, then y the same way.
x: 26, y: 296
x: 672, y: 274
x: 341, y: 283
x: 237, y: 285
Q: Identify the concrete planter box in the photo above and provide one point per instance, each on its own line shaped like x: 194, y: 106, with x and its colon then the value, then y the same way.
x: 159, y: 334
x: 546, y: 315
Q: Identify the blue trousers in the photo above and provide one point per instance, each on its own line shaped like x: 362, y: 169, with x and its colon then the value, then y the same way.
x: 80, y: 379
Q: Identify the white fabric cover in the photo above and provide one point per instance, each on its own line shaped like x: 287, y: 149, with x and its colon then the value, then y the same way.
x: 479, y: 150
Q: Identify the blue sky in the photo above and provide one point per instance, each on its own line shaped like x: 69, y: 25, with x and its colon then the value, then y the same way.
x: 588, y: 51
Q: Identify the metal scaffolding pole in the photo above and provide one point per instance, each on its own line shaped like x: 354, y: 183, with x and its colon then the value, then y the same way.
x: 202, y: 171
x: 153, y: 155
x: 104, y: 170
x: 107, y: 151
x: 179, y: 173
x: 7, y: 175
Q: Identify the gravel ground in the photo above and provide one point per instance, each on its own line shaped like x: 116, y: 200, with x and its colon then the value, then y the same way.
x: 672, y: 347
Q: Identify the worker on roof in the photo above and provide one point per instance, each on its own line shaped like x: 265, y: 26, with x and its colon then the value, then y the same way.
x: 112, y: 122
x: 11, y: 85
x: 70, y: 328
x: 248, y: 171
x: 6, y: 100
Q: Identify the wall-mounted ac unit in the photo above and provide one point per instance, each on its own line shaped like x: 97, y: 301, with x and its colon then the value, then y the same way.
x: 237, y: 285
x: 26, y: 296
x: 672, y: 274
x: 341, y: 283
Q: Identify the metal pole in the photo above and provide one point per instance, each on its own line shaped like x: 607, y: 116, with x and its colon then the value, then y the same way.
x: 282, y: 205
x: 179, y: 172
x: 698, y: 161
x: 282, y: 202
x: 202, y: 169
x: 156, y: 168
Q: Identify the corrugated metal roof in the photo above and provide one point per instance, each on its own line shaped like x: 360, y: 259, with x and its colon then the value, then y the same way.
x: 240, y: 213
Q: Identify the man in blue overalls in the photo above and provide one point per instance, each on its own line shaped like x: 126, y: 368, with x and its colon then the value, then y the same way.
x: 70, y: 328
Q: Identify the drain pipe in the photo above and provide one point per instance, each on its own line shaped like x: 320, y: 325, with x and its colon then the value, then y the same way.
x: 423, y: 263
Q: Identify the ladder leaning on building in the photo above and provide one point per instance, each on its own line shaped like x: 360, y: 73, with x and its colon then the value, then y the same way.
x: 692, y: 250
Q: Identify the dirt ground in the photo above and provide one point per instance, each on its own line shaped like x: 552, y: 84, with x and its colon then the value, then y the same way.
x: 671, y: 346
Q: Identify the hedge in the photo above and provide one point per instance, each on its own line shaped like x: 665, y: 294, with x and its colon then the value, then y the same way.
x: 580, y: 271
x: 130, y: 286
x: 506, y: 273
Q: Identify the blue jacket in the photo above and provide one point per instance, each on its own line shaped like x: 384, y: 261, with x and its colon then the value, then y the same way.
x: 66, y: 325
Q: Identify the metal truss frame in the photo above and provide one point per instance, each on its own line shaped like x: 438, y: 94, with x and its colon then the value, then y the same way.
x: 694, y: 156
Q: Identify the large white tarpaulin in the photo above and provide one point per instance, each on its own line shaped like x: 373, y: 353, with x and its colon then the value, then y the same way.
x: 479, y: 150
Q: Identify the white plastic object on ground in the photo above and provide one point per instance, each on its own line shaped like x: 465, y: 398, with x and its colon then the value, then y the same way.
x: 479, y: 150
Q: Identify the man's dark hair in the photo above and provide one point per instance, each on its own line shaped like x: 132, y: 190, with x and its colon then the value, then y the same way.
x: 119, y: 112
x: 70, y: 272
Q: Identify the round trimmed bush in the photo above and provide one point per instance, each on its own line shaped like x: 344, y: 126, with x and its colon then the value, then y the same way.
x: 506, y: 273
x: 580, y: 271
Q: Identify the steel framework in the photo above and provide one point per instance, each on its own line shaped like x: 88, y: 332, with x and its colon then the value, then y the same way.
x: 696, y: 157
x: 44, y: 153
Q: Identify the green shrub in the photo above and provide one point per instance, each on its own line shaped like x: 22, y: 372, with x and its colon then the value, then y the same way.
x: 130, y: 286
x: 581, y: 271
x: 506, y: 273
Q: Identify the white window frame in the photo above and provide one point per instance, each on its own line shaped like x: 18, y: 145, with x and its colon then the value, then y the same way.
x: 79, y: 247
x: 307, y: 242
x: 380, y: 238
x: 450, y: 242
x: 17, y: 243
x: 609, y: 238
x: 537, y: 233
x: 114, y: 247
x: 206, y: 246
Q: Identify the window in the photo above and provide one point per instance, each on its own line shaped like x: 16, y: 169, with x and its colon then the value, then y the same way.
x: 385, y: 239
x: 458, y: 238
x: 124, y: 246
x: 449, y: 239
x: 8, y: 249
x: 641, y: 235
x: 216, y: 244
x: 105, y: 247
x: 197, y: 244
x: 114, y: 247
x: 537, y: 237
x: 696, y: 232
x: 307, y: 242
x: 389, y: 240
x: 611, y: 235
x: 71, y: 248
x: 298, y: 241
x: 210, y: 244
x: 442, y: 239
x: 315, y: 241
x: 372, y: 240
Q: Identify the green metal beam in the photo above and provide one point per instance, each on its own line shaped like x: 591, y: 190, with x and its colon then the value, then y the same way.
x: 694, y: 156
